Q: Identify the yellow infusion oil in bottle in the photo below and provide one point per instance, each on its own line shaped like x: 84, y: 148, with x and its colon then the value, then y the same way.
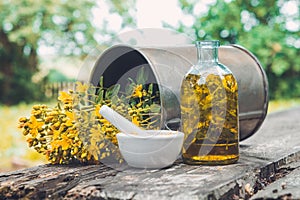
x: 209, y: 110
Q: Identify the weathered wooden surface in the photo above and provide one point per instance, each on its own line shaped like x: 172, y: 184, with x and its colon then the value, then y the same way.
x: 269, y: 167
x: 287, y: 186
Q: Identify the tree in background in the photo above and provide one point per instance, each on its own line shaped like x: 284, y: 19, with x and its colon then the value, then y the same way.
x: 269, y: 29
x: 26, y: 26
x: 263, y: 27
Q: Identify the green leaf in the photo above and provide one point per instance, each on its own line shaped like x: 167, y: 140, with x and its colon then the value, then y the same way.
x: 100, y: 95
x: 150, y: 89
x: 101, y: 82
x: 142, y: 76
x: 112, y: 91
x: 130, y: 86
x: 114, y: 99
x: 155, y: 108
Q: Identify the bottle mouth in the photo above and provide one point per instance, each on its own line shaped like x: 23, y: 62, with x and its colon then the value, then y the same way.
x: 208, y: 43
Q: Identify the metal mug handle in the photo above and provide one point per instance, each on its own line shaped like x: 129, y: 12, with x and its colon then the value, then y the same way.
x: 173, y: 124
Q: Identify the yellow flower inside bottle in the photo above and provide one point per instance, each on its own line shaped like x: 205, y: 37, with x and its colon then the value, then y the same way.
x: 209, y: 110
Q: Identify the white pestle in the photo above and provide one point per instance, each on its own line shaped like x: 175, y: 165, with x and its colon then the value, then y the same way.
x: 121, y: 122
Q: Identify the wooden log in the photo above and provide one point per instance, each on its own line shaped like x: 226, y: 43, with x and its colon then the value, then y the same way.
x: 266, y: 158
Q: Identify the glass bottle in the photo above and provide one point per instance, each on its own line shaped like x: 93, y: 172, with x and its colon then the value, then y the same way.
x: 209, y: 110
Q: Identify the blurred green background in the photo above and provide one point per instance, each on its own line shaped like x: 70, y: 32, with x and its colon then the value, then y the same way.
x: 46, y: 41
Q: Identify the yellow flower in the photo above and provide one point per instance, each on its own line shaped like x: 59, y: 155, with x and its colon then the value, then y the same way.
x: 62, y: 137
x: 97, y: 109
x: 93, y: 149
x: 30, y: 141
x: 64, y: 143
x: 96, y: 135
x: 34, y: 125
x: 23, y: 119
x: 135, y: 120
x: 70, y: 118
x: 137, y: 92
x: 81, y: 87
x: 65, y: 97
x: 36, y: 112
x: 56, y: 134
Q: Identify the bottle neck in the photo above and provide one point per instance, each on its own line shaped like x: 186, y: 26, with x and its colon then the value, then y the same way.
x: 207, y: 52
x: 207, y: 55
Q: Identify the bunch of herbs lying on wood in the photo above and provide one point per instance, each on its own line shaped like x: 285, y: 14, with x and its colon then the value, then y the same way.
x: 74, y: 130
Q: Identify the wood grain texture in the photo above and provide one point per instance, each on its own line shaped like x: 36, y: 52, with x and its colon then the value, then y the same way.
x: 269, y: 156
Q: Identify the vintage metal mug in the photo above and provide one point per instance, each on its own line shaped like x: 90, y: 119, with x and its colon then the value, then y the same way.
x: 166, y: 66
